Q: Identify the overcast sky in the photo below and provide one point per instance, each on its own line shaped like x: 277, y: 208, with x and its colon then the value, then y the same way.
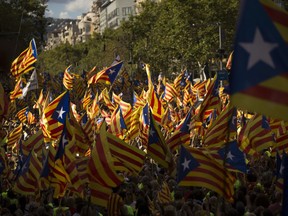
x: 67, y: 8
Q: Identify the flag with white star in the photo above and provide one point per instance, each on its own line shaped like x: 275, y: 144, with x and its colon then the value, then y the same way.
x: 181, y: 135
x: 207, y: 173
x: 233, y: 121
x: 27, y: 181
x: 54, y: 117
x: 259, y: 69
x: 186, y: 164
x: 62, y: 109
x: 233, y: 156
x: 118, y: 125
x: 61, y: 145
x: 107, y: 75
x: 22, y: 114
x: 157, y: 149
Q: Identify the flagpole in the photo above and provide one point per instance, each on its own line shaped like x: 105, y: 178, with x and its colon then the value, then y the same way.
x: 221, y: 202
x: 220, y: 44
x: 19, y: 30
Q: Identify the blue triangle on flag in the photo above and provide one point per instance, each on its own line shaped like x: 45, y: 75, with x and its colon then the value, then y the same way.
x: 233, y: 120
x: 62, y: 109
x: 185, y: 126
x: 122, y: 122
x: 45, y: 169
x: 265, y: 123
x: 186, y: 163
x: 259, y: 50
x: 113, y: 71
x: 62, y: 143
x: 26, y: 165
x: 233, y: 156
x: 153, y: 135
x: 146, y: 114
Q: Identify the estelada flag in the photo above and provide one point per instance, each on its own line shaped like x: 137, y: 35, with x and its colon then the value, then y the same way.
x: 260, y: 61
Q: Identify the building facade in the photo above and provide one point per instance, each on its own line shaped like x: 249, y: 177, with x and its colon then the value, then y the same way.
x: 102, y: 14
x: 113, y: 12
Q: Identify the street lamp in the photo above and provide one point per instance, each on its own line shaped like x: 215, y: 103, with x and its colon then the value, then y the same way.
x: 220, y: 51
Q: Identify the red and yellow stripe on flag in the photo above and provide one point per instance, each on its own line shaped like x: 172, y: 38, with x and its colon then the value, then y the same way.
x: 100, y: 165
x: 209, y: 174
x: 87, y: 99
x: 153, y: 98
x: 166, y: 121
x: 155, y: 104
x: 115, y: 203
x: 77, y: 184
x: 211, y: 101
x: 75, y: 131
x: 22, y: 114
x: 93, y: 110
x: 106, y: 98
x: 130, y: 156
x: 254, y: 138
x: 27, y: 182
x: 101, y: 76
x: 219, y: 130
x: 39, y: 101
x: 164, y: 195
x: 99, y: 194
x: 35, y: 143
x: 134, y: 130
x: 25, y: 61
x: 55, y: 116
x: 81, y: 165
x: 157, y: 149
x: 259, y: 74
x: 14, y: 135
x: 56, y: 167
x: 17, y: 92
x: 68, y: 79
x: 281, y: 144
x: 170, y: 92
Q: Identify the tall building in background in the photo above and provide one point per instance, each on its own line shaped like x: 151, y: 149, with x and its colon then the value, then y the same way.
x: 88, y: 23
x: 102, y: 14
x: 113, y: 12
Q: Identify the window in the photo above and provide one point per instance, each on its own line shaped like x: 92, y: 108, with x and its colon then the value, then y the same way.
x: 126, y: 11
x: 113, y: 14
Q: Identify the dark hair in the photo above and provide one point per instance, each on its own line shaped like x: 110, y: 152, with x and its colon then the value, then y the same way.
x: 262, y: 200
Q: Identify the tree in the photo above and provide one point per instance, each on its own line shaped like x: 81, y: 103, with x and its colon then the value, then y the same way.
x: 21, y: 20
x: 173, y: 34
x: 170, y: 35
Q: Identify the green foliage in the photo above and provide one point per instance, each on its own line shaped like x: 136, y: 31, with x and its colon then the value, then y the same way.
x: 170, y: 36
x: 25, y: 17
x: 21, y: 20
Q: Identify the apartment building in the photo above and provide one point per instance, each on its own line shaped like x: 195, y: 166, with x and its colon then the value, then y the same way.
x: 103, y: 14
x: 61, y: 31
x: 87, y: 25
x: 113, y: 12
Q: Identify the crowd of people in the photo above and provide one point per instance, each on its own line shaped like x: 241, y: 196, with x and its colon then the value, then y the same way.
x: 154, y: 191
x: 255, y: 194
